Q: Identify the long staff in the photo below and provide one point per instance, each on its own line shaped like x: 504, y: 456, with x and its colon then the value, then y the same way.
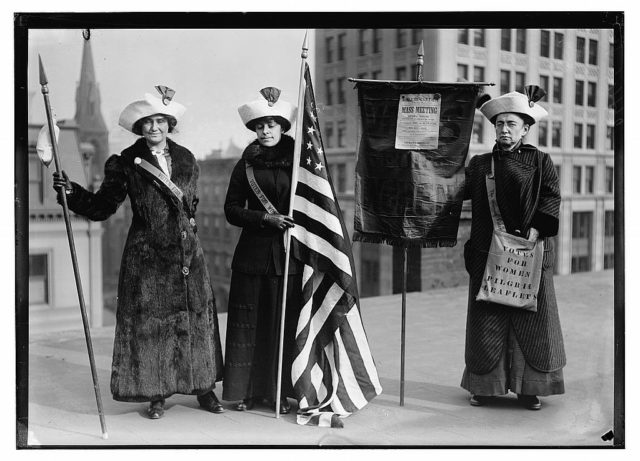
x: 294, y: 182
x: 72, y: 247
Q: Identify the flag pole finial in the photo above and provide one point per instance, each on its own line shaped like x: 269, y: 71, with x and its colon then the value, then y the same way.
x: 43, y: 75
x: 305, y: 45
x: 420, y: 61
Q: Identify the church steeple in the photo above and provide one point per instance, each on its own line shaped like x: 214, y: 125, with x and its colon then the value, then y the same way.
x: 91, y: 125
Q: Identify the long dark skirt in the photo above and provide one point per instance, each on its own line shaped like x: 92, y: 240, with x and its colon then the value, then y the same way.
x: 253, y: 335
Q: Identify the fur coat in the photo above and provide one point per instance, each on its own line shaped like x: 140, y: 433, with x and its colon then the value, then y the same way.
x: 538, y: 333
x: 167, y: 339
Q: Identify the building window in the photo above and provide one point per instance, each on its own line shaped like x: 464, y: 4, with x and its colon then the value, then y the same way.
x: 463, y: 36
x: 611, y: 55
x: 39, y: 279
x: 463, y: 72
x: 362, y: 42
x: 505, y: 40
x: 580, y: 49
x: 579, y: 93
x: 329, y: 88
x: 375, y: 40
x: 478, y: 37
x: 340, y: 177
x: 416, y: 36
x: 556, y: 134
x: 577, y: 180
x: 558, y: 45
x: 36, y: 181
x: 544, y: 84
x: 520, y: 81
x: 610, y: 137
x: 610, y: 98
x: 577, y: 135
x: 557, y: 89
x: 414, y: 72
x: 370, y: 285
x: 375, y: 74
x: 478, y: 127
x: 542, y: 133
x: 591, y: 136
x: 328, y: 135
x: 363, y: 75
x: 521, y: 41
x: 609, y: 248
x: 478, y: 74
x: 593, y: 52
x: 505, y: 80
x: 342, y: 131
x: 401, y: 73
x: 591, y: 94
x: 581, y: 241
x: 588, y: 180
x: 341, y: 94
x: 329, y: 49
x: 608, y: 179
x: 401, y: 38
x: 341, y: 47
x: 545, y: 43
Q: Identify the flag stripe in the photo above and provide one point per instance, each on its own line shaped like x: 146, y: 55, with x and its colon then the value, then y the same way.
x: 320, y: 245
x: 330, y: 221
x: 317, y: 183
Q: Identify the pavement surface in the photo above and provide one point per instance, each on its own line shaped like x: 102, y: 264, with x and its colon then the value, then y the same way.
x: 62, y: 405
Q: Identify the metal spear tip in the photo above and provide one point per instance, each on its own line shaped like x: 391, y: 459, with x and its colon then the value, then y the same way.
x: 43, y: 75
x: 421, y: 49
x: 305, y: 45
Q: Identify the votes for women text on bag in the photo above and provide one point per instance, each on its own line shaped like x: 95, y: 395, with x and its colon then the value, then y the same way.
x: 514, y: 264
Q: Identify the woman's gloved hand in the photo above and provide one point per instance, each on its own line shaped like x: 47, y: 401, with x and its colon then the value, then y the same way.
x: 533, y: 234
x: 61, y: 182
x: 277, y: 221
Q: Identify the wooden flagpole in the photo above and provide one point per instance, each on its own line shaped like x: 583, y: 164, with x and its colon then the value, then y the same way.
x: 294, y: 182
x: 72, y: 247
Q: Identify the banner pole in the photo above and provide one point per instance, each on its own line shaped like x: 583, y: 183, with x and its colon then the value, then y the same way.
x: 404, y: 323
x: 294, y: 182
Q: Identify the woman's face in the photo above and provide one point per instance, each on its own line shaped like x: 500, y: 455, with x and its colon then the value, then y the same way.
x: 269, y: 132
x: 155, y: 129
x: 510, y: 128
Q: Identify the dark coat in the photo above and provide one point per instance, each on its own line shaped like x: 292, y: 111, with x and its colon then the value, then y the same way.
x: 260, y: 250
x: 167, y: 339
x: 538, y: 333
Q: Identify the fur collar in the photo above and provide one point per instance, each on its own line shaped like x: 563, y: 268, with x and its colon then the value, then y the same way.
x: 279, y: 156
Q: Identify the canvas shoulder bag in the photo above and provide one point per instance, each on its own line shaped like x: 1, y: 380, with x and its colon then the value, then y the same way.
x: 514, y: 264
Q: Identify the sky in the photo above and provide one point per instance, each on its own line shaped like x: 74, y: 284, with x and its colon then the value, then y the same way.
x: 213, y: 72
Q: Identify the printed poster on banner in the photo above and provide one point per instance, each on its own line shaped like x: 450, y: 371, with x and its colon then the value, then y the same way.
x: 418, y: 121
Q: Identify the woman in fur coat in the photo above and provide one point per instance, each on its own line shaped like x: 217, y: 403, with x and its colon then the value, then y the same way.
x: 166, y: 339
x: 258, y: 264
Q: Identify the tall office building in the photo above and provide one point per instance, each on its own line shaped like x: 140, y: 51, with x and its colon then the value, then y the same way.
x: 574, y: 66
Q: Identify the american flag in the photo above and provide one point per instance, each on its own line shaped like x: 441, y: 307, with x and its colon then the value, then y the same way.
x: 333, y: 372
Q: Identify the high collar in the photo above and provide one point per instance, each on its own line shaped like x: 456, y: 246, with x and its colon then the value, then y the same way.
x: 499, y: 152
x: 278, y: 156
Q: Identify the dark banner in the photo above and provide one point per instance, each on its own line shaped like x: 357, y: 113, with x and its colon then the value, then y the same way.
x: 411, y: 158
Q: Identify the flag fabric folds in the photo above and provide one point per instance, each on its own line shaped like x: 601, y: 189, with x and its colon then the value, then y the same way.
x: 411, y: 158
x: 333, y: 372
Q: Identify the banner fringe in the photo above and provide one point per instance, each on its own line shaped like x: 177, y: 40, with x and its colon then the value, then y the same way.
x: 402, y: 241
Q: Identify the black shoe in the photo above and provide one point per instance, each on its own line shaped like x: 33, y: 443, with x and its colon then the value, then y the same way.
x: 285, y: 408
x: 156, y: 409
x: 244, y: 405
x: 530, y: 402
x: 210, y: 402
x: 478, y: 400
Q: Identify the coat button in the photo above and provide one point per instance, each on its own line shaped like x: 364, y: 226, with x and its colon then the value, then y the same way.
x: 192, y: 221
x: 183, y: 234
x: 185, y: 270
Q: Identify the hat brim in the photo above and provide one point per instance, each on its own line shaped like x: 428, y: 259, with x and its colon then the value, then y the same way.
x: 513, y: 102
x: 147, y: 107
x: 253, y: 111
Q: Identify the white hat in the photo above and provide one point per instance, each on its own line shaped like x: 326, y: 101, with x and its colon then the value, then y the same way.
x: 516, y: 103
x: 269, y: 106
x: 151, y: 105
